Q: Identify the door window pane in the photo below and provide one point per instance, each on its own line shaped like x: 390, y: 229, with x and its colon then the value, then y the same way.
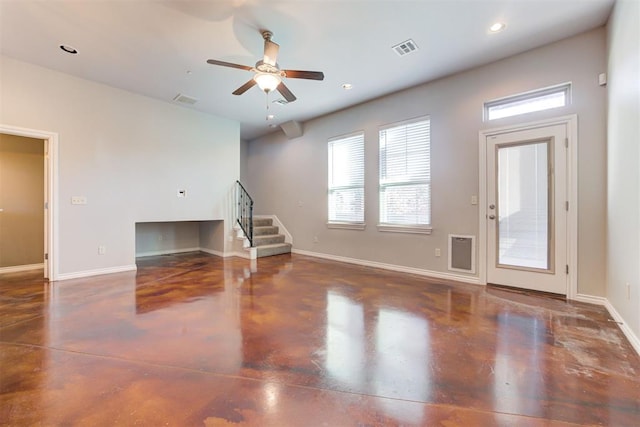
x: 523, y: 206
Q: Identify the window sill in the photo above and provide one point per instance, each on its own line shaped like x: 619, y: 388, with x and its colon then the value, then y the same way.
x: 415, y: 229
x: 346, y: 225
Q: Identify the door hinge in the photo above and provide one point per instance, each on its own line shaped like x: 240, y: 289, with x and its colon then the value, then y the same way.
x: 567, y: 268
x: 566, y: 142
x: 46, y: 256
x: 566, y: 205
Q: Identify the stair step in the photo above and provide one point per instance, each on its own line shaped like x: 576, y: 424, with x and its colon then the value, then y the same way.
x: 268, y: 239
x: 262, y: 222
x: 265, y: 230
x: 275, y: 249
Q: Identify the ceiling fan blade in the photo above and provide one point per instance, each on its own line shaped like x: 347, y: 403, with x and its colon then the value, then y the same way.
x: 299, y: 74
x: 245, y: 87
x: 285, y: 92
x: 229, y: 64
x: 270, y: 52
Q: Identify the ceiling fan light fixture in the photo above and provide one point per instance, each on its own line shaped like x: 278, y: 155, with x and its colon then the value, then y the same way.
x: 267, y: 82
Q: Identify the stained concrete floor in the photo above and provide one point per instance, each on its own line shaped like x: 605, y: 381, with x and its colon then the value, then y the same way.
x: 195, y: 339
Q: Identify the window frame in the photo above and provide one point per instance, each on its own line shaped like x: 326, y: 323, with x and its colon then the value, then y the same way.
x: 350, y: 225
x: 565, y: 88
x: 404, y: 228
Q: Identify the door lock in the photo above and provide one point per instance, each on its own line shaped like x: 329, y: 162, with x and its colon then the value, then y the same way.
x: 492, y: 206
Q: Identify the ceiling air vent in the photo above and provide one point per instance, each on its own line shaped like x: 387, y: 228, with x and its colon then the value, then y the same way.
x: 405, y: 48
x: 184, y: 99
x: 280, y: 101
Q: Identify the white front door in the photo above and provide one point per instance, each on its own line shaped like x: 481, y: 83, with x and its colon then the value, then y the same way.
x: 526, y: 213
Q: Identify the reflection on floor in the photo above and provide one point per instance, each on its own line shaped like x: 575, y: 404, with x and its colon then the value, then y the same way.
x: 195, y: 339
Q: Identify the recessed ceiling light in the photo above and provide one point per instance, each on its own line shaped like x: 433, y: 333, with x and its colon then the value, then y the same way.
x: 347, y: 86
x: 189, y: 72
x: 69, y: 49
x: 271, y: 117
x: 497, y: 27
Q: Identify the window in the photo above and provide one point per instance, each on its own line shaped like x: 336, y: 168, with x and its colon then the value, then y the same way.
x: 405, y: 176
x: 346, y: 181
x: 537, y: 100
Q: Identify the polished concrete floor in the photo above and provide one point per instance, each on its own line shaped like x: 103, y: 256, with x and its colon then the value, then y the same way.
x: 194, y: 340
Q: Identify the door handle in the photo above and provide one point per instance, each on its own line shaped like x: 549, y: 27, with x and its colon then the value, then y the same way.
x: 492, y: 217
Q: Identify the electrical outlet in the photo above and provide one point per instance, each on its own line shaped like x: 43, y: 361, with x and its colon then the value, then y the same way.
x: 315, y: 239
x: 78, y: 200
x: 438, y: 252
x: 628, y: 290
x: 102, y: 250
x: 182, y: 193
x: 474, y: 200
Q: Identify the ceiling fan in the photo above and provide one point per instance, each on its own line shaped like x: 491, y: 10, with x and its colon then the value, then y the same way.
x: 268, y: 76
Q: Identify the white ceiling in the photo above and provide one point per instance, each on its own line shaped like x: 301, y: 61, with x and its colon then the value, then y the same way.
x: 148, y: 47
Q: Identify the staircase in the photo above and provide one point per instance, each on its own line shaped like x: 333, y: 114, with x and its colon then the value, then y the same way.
x: 258, y: 234
x: 267, y: 240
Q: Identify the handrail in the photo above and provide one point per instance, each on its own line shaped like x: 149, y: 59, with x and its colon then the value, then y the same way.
x: 244, y: 216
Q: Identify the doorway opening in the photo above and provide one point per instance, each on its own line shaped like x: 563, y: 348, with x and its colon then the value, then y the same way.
x: 49, y: 202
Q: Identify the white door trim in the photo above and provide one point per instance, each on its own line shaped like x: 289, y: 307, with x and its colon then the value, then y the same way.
x: 571, y: 122
x: 51, y: 145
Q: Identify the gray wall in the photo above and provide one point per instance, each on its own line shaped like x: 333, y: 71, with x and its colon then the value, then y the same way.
x: 289, y: 177
x: 623, y: 219
x: 127, y: 154
x: 21, y: 199
x: 244, y: 167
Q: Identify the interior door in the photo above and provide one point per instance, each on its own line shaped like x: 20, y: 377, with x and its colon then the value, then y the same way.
x: 527, y: 209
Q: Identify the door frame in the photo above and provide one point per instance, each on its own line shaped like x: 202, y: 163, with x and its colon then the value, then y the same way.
x: 571, y: 123
x: 51, y: 191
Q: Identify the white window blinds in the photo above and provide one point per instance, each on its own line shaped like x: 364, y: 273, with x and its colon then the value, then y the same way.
x: 405, y: 173
x: 346, y: 179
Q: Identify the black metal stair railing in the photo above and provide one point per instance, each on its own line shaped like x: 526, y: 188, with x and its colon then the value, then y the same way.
x: 245, y: 212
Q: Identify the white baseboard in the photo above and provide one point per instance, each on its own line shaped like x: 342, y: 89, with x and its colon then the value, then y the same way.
x: 213, y: 252
x: 167, y: 252
x: 18, y: 268
x: 96, y: 272
x: 392, y: 267
x: 590, y: 299
x: 626, y: 330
